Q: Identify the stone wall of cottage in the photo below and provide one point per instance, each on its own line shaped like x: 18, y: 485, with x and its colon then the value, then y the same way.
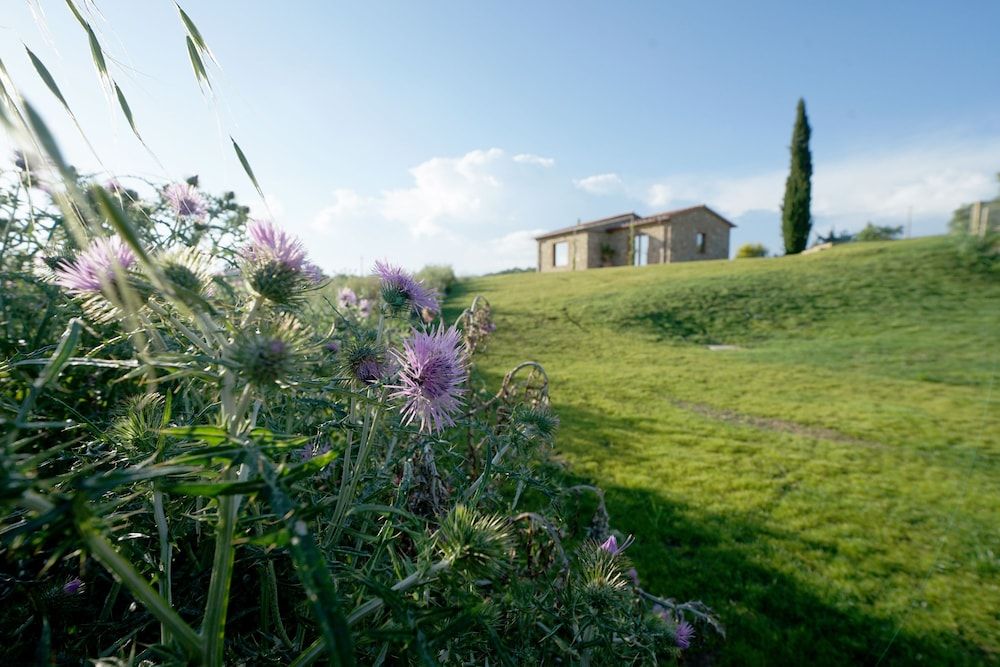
x: 578, y: 252
x: 684, y: 237
x: 673, y: 240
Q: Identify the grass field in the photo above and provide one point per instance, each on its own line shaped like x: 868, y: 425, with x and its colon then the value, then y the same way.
x: 832, y: 487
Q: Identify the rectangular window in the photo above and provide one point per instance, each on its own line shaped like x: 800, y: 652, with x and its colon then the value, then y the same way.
x: 640, y: 250
x: 560, y: 254
x: 699, y: 241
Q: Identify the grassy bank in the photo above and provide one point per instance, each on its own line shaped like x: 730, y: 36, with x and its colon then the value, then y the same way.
x: 832, y: 485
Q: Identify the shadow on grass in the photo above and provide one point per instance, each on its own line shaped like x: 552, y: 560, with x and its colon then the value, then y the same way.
x: 771, y: 618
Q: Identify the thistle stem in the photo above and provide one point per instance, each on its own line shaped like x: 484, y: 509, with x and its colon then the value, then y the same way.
x: 165, y: 559
x: 309, y: 656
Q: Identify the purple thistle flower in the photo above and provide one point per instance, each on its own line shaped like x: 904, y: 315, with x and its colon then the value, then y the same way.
x: 432, y: 374
x: 267, y: 241
x: 346, y: 297
x: 364, y: 307
x: 399, y: 288
x: 95, y: 267
x: 332, y: 347
x: 370, y: 371
x: 612, y: 547
x: 73, y: 586
x: 633, y: 574
x: 684, y: 634
x: 185, y: 200
x: 313, y: 273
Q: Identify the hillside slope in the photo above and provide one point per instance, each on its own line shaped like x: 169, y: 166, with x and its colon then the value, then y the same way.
x: 830, y: 486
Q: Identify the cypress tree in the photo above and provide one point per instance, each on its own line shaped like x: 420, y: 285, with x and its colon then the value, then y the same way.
x: 796, y: 221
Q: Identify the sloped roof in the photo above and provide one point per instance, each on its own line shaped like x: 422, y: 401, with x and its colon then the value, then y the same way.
x: 626, y: 219
x: 594, y: 225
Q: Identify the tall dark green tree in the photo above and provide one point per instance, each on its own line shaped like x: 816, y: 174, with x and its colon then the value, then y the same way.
x: 796, y: 220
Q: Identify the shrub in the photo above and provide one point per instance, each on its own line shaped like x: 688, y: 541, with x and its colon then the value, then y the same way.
x: 439, y: 277
x: 980, y: 253
x: 219, y: 461
x: 215, y: 450
x: 878, y: 233
x: 751, y: 250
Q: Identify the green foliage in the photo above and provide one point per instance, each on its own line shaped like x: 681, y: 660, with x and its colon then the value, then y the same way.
x: 437, y: 276
x: 878, y: 233
x: 211, y: 448
x: 828, y: 485
x: 980, y: 253
x: 796, y: 219
x: 751, y: 250
x: 961, y: 218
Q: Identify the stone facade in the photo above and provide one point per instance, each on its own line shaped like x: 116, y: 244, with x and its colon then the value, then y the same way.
x: 685, y: 235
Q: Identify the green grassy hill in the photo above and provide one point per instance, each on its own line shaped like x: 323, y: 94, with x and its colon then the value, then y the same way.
x: 832, y: 486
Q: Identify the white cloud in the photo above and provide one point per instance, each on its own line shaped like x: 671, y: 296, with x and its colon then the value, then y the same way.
x: 530, y: 158
x: 478, y: 212
x: 932, y: 180
x: 600, y: 184
x: 444, y: 188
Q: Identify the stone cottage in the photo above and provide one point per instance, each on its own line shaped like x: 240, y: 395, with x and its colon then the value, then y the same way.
x: 683, y: 235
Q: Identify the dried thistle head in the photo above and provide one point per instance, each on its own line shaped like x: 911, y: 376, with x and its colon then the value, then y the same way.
x: 188, y: 269
x: 138, y: 424
x: 363, y: 360
x: 535, y: 422
x: 600, y: 577
x: 272, y: 354
x: 475, y: 543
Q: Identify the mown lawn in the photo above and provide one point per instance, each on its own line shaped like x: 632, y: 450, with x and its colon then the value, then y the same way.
x: 832, y: 487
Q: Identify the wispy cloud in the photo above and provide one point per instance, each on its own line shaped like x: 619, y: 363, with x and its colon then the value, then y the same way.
x: 478, y: 212
x: 600, y: 184
x: 531, y: 158
x: 930, y: 181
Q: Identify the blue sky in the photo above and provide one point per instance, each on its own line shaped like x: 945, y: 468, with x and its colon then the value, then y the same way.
x: 453, y: 132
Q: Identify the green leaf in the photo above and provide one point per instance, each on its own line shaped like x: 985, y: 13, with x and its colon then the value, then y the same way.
x: 127, y: 110
x: 246, y: 166
x: 45, y: 137
x: 64, y: 352
x: 214, y: 489
x: 212, y: 435
x: 307, y: 468
x: 311, y: 568
x: 116, y: 478
x: 195, y: 33
x: 197, y: 63
x: 43, y: 72
x: 97, y: 53
x: 116, y: 216
x: 76, y: 13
